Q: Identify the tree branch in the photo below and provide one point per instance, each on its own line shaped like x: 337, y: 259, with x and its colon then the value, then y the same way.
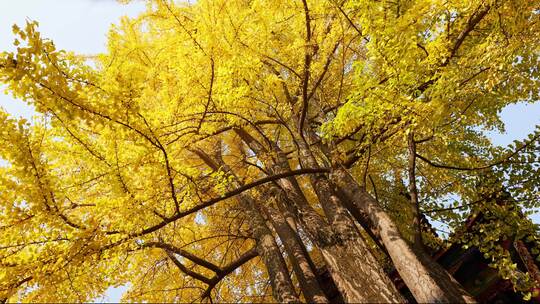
x: 246, y: 257
x: 229, y: 195
x: 187, y: 271
x: 185, y: 254
x: 307, y: 65
x: 413, y: 191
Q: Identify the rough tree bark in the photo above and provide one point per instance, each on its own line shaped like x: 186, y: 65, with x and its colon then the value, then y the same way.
x: 302, y: 265
x: 355, y: 271
x: 343, y: 224
x: 305, y: 274
x: 426, y: 279
x: 286, y: 210
x: 282, y: 286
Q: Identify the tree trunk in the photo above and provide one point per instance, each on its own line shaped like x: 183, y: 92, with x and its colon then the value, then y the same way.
x: 355, y: 271
x: 267, y: 248
x: 381, y: 287
x: 305, y: 274
x: 286, y: 211
x: 426, y: 279
x: 413, y: 193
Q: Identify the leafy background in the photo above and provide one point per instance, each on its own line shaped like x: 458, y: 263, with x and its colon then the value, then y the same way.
x: 81, y: 26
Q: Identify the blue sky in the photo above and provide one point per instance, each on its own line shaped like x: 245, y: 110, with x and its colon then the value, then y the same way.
x: 75, y: 25
x: 81, y: 26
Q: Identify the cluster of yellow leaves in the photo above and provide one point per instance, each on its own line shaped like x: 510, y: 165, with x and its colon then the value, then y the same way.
x: 112, y: 157
x: 112, y: 153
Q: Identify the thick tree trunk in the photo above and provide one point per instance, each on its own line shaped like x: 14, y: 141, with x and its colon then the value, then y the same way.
x: 286, y: 211
x: 360, y: 280
x: 288, y: 214
x: 362, y: 219
x: 305, y: 274
x: 426, y: 279
x: 267, y: 248
x: 333, y: 208
x: 355, y: 271
x: 381, y: 287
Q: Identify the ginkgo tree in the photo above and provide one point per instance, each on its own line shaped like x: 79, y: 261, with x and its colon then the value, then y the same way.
x: 219, y: 146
